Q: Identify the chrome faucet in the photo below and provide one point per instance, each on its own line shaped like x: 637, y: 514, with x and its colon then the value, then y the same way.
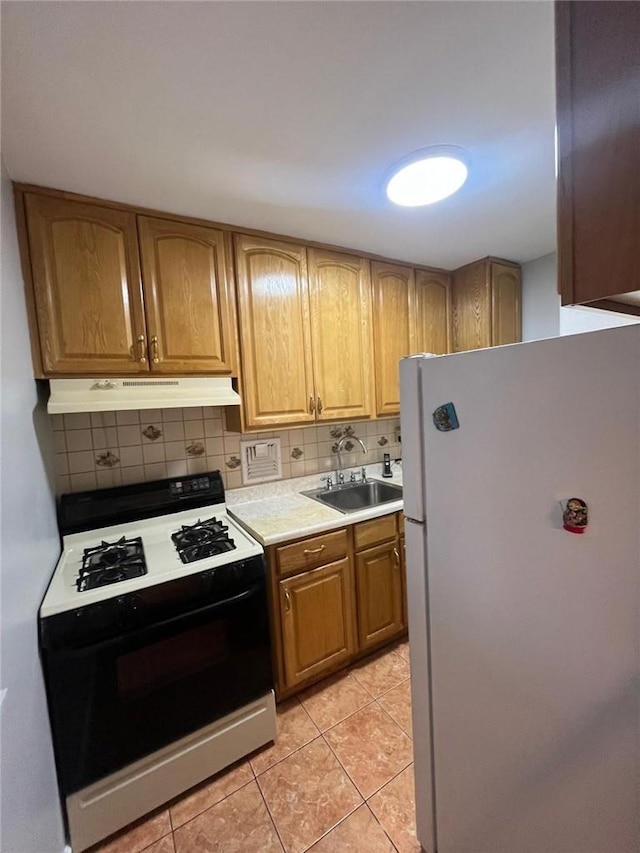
x: 339, y: 447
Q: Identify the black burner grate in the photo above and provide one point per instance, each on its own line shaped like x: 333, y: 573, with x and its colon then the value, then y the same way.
x: 202, y: 539
x: 111, y: 562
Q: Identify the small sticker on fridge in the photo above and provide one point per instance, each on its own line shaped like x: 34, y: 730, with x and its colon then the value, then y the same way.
x: 445, y: 418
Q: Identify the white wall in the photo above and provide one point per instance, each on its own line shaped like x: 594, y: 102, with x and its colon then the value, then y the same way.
x: 29, y: 546
x: 542, y: 316
x: 540, y: 299
x: 580, y: 318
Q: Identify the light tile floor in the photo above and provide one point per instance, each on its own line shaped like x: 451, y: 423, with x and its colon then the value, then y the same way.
x: 339, y: 779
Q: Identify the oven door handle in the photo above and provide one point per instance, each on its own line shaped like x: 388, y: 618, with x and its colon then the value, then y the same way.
x: 158, y: 627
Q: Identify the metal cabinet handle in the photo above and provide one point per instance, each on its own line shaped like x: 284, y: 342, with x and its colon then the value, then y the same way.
x: 142, y: 349
x: 396, y: 555
x: 319, y: 550
x: 287, y: 598
x: 154, y: 349
x: 312, y: 405
x: 320, y: 406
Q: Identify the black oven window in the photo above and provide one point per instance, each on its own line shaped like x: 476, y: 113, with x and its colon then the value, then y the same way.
x: 171, y: 660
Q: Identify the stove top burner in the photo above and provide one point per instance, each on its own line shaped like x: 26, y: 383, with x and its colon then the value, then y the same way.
x: 111, y: 562
x: 202, y: 539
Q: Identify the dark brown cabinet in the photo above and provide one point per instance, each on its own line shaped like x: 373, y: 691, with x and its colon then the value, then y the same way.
x: 598, y: 120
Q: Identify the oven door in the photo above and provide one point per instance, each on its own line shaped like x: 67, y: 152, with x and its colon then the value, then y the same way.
x: 116, y: 701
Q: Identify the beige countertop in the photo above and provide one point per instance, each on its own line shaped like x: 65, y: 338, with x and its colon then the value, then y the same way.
x: 276, y: 512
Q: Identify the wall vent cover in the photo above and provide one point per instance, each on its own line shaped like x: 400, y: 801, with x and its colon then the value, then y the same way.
x: 261, y: 460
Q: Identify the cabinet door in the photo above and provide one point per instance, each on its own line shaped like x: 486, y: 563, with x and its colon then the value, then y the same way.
x: 393, y: 330
x: 379, y: 594
x: 88, y: 294
x: 433, y: 312
x: 341, y: 334
x: 506, y: 324
x: 471, y: 308
x: 273, y: 307
x: 598, y: 116
x: 317, y: 620
x: 188, y: 298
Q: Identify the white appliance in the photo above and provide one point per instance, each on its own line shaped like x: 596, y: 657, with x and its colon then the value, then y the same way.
x: 111, y: 395
x: 154, y: 641
x: 524, y: 636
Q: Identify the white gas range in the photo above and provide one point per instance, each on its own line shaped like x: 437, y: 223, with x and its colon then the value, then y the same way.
x: 112, y: 561
x: 154, y: 640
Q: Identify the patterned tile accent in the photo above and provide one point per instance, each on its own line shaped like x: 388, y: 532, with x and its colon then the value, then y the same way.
x: 156, y: 443
x: 349, y: 790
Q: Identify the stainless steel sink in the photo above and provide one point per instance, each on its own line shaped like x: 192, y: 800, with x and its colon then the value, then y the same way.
x: 350, y: 497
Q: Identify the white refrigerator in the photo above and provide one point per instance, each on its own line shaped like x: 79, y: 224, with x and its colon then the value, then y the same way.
x: 524, y: 635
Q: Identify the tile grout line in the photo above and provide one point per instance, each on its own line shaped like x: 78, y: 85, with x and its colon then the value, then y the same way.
x: 348, y: 717
x: 293, y: 751
x: 375, y: 817
x: 402, y: 729
x: 336, y: 825
x: 198, y: 814
x: 271, y: 817
x: 389, y: 781
x: 349, y: 813
x: 366, y: 799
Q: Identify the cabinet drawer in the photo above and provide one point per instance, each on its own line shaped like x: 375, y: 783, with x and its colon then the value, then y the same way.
x: 316, y: 551
x: 368, y: 533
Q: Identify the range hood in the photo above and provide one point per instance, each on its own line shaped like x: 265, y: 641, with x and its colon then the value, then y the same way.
x: 115, y: 395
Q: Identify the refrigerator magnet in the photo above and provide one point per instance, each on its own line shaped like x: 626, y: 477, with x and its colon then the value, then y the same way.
x: 445, y: 417
x: 575, y: 515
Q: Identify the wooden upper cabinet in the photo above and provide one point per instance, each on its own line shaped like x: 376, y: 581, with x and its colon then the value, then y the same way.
x: 86, y: 278
x: 188, y: 297
x: 393, y: 330
x: 598, y: 119
x: 433, y: 312
x: 341, y: 334
x: 506, y: 312
x: 277, y: 374
x: 486, y: 305
x: 471, y: 301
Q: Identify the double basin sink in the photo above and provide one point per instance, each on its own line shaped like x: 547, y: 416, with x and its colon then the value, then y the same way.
x: 351, y: 497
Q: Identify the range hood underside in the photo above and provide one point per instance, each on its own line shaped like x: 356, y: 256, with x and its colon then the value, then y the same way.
x: 114, y: 395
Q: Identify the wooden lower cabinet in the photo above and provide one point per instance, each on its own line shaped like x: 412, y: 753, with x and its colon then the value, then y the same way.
x: 335, y: 597
x: 318, y: 619
x: 378, y: 594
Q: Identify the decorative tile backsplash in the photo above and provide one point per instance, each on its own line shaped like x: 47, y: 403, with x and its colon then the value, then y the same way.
x: 115, y: 448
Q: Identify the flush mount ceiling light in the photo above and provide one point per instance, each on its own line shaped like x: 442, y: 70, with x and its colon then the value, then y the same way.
x: 427, y: 176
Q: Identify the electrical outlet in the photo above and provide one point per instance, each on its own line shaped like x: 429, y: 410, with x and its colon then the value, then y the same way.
x: 396, y: 434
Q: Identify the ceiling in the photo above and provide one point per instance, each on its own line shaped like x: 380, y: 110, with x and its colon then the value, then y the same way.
x: 285, y: 116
